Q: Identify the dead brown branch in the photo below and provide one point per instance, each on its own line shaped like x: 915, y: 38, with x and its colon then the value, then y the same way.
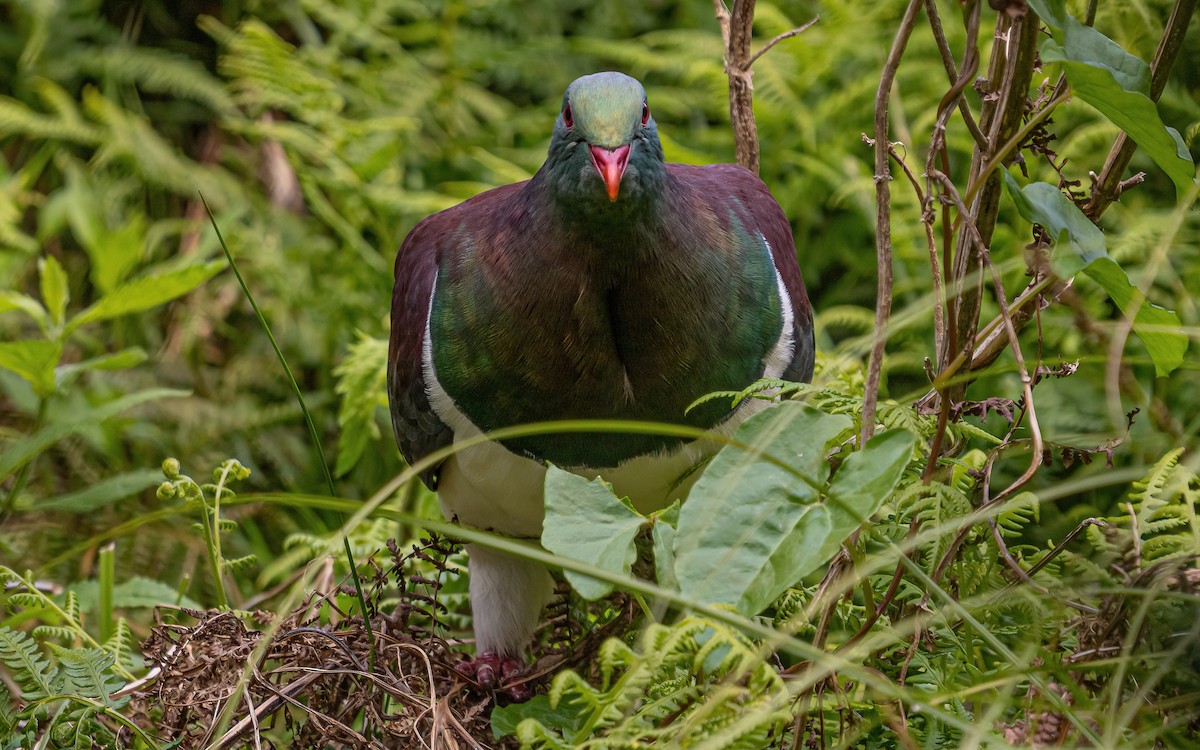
x: 883, y: 220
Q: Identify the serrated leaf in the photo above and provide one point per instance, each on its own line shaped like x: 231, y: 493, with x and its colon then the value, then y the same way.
x: 86, y: 672
x: 31, y: 668
x: 135, y: 593
x: 1079, y: 246
x: 55, y: 292
x: 10, y: 301
x: 585, y: 521
x: 750, y: 523
x: 112, y: 253
x: 34, y: 360
x: 147, y: 292
x: 1117, y: 84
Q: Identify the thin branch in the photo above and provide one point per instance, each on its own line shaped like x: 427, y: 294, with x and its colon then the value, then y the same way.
x: 939, y: 328
x: 736, y: 30
x: 970, y: 65
x: 883, y: 220
x: 1006, y: 317
x: 1010, y: 72
x: 779, y: 38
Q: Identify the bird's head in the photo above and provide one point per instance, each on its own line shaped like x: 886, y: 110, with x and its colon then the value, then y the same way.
x: 605, y: 143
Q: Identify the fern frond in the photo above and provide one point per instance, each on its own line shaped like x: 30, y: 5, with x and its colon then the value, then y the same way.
x: 87, y: 673
x: 706, y: 677
x: 362, y: 389
x: 30, y: 668
x: 1018, y: 512
x: 121, y: 644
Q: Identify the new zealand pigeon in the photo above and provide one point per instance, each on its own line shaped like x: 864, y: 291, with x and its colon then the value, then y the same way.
x: 612, y: 285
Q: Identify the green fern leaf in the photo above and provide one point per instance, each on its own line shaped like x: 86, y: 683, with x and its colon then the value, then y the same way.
x: 29, y: 666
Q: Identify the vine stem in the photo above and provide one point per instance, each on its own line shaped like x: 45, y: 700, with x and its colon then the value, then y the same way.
x: 10, y: 500
x: 883, y: 220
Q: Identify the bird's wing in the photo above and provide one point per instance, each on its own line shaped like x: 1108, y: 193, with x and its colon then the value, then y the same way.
x: 758, y: 209
x: 419, y: 430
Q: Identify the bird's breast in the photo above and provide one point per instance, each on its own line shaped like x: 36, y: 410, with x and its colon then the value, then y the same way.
x: 574, y: 347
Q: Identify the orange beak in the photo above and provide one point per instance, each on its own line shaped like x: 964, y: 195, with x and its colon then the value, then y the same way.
x: 611, y: 165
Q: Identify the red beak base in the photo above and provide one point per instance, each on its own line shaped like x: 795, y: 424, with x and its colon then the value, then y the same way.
x: 610, y: 164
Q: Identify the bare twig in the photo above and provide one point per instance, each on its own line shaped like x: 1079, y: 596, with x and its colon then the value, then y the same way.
x: 1106, y: 188
x: 1011, y: 71
x: 1006, y: 317
x: 736, y: 29
x: 958, y: 82
x: 780, y: 37
x: 883, y: 220
x: 926, y: 221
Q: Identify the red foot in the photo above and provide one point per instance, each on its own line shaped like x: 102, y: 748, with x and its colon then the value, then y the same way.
x: 492, y: 670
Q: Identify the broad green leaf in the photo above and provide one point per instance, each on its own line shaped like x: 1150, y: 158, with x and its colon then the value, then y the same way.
x: 1077, y: 241
x: 566, y: 717
x: 147, y: 292
x: 34, y: 360
x: 1079, y: 246
x: 749, y: 523
x: 137, y: 591
x: 19, y: 452
x: 585, y: 521
x: 55, y: 291
x: 1117, y: 84
x: 101, y: 493
x: 1158, y: 328
x: 862, y: 484
x: 662, y: 537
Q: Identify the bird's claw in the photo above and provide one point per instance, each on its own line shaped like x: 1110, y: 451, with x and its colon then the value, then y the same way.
x: 493, y: 671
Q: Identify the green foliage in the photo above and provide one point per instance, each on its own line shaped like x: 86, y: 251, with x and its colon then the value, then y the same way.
x: 695, y: 684
x: 1159, y: 522
x: 208, y: 498
x: 363, y: 391
x: 585, y: 521
x: 1079, y: 246
x: 67, y: 697
x: 320, y: 132
x: 1117, y: 84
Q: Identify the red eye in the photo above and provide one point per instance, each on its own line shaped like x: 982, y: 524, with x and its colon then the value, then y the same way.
x: 568, y: 120
x: 645, y: 113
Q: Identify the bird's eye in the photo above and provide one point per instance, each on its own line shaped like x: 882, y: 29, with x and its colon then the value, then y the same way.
x: 645, y: 113
x: 568, y: 120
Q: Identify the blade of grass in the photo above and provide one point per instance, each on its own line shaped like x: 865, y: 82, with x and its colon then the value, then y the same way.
x: 308, y: 420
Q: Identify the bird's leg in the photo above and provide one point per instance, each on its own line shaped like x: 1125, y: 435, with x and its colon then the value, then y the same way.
x: 507, y: 597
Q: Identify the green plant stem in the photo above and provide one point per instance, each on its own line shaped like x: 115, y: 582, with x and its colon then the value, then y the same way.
x: 308, y: 421
x: 212, y: 533
x: 107, y: 579
x: 10, y: 500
